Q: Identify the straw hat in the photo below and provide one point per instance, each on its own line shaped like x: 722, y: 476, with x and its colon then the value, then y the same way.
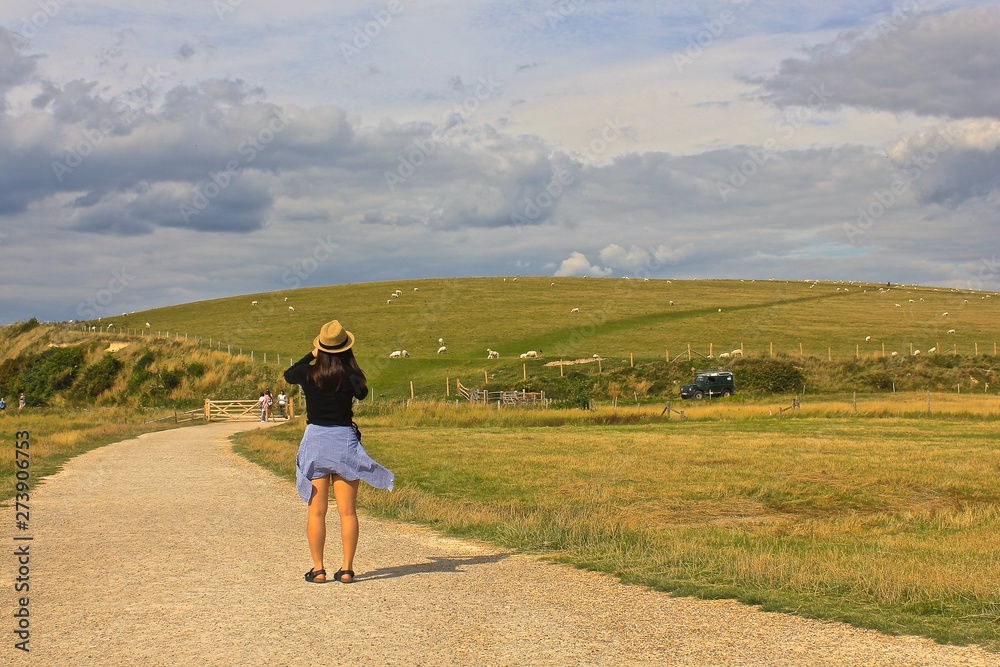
x: 333, y: 338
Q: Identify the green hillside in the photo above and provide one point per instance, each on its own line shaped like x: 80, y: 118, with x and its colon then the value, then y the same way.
x: 792, y: 334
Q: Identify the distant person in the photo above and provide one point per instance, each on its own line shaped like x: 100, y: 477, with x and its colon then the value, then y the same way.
x: 21, y: 402
x: 262, y: 404
x: 330, y: 453
x: 3, y: 403
x: 282, y: 402
x: 268, y: 406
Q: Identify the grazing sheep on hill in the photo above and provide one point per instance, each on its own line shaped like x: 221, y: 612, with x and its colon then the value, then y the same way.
x: 868, y: 339
x: 575, y: 310
x: 737, y: 352
x: 416, y: 289
x: 951, y: 331
x: 724, y: 355
x: 671, y: 303
x: 916, y: 353
x: 253, y: 303
x: 286, y: 298
x: 291, y: 309
x: 530, y: 354
x: 933, y: 349
x: 388, y: 302
x: 492, y: 354
x: 397, y: 354
x: 894, y: 354
x: 442, y: 350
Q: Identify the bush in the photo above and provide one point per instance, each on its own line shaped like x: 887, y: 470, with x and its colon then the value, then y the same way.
x: 50, y: 371
x: 97, y: 378
x: 773, y: 376
x: 195, y: 369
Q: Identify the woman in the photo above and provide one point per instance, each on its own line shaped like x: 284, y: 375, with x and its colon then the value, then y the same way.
x: 330, y: 453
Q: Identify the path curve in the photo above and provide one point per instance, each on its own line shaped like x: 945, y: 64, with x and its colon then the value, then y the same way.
x: 168, y: 549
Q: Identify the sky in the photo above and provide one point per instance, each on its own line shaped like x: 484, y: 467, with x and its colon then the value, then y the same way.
x: 155, y: 153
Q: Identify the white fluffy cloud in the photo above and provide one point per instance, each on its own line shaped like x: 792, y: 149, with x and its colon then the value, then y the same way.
x: 577, y: 264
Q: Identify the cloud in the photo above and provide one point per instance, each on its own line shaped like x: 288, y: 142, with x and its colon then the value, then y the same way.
x: 15, y: 68
x: 577, y: 264
x: 906, y: 62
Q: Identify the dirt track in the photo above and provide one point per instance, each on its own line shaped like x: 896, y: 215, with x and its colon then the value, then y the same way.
x: 170, y: 550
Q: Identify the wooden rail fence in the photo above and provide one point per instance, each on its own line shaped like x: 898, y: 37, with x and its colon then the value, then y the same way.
x: 228, y: 411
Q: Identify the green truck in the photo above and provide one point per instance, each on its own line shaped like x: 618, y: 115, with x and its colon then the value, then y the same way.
x: 710, y: 383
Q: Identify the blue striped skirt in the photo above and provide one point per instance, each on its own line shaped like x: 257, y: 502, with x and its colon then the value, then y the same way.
x: 336, y: 450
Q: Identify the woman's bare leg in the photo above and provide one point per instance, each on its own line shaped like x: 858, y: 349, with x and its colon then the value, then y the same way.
x: 346, y: 495
x: 316, y: 521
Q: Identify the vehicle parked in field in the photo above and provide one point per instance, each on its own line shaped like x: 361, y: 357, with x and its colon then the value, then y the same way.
x: 710, y: 383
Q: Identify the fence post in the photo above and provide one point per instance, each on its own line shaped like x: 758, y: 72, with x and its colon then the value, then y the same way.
x: 631, y: 360
x: 689, y: 351
x: 829, y: 354
x: 855, y: 402
x: 411, y: 390
x: 447, y: 387
x: 524, y: 371
x: 561, y: 368
x: 772, y: 348
x: 928, y: 400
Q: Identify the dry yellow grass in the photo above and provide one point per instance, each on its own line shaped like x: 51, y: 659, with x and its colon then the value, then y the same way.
x: 889, y: 523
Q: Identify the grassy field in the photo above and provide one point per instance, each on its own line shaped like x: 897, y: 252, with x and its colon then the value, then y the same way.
x: 620, y: 320
x: 889, y: 523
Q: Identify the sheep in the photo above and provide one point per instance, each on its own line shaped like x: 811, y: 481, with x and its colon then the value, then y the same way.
x: 720, y: 310
x: 253, y: 303
x: 286, y: 298
x: 530, y: 354
x: 737, y: 352
x: 898, y: 306
x: 416, y: 289
x: 944, y: 314
x: 388, y: 302
x: 396, y: 354
x: 575, y: 310
x: 147, y: 325
x: 406, y: 355
x: 440, y: 341
x: 916, y: 353
x: 932, y: 350
x: 442, y: 349
x: 868, y: 339
x: 724, y: 355
x: 291, y: 309
x: 894, y: 354
x: 492, y: 354
x: 951, y: 331
x: 671, y: 302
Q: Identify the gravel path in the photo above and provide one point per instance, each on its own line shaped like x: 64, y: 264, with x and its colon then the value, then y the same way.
x: 169, y: 549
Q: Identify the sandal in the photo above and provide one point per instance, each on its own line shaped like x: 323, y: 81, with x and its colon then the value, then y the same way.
x: 311, y: 576
x: 339, y: 576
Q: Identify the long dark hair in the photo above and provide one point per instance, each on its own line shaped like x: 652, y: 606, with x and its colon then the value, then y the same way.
x: 336, y: 372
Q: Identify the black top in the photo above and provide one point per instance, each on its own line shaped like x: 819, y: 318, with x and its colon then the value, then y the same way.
x: 323, y: 408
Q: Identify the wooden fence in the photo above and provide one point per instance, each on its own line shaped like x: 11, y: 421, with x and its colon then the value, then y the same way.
x: 228, y: 411
x: 500, y: 397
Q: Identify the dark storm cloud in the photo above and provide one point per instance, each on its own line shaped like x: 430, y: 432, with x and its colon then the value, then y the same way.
x: 929, y: 64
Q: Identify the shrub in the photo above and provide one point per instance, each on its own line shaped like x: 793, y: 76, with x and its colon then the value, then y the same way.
x: 773, y: 376
x: 50, y: 371
x: 195, y: 369
x: 97, y: 378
